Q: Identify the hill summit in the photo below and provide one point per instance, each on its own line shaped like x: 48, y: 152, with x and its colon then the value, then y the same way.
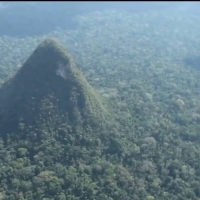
x: 47, y: 90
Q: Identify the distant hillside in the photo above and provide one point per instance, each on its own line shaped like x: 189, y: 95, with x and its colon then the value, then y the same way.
x: 47, y: 16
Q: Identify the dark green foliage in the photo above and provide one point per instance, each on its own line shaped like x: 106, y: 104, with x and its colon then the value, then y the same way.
x: 48, y: 108
x: 137, y: 63
x: 48, y: 86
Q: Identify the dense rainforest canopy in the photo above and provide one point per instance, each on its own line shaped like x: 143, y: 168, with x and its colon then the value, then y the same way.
x: 115, y: 116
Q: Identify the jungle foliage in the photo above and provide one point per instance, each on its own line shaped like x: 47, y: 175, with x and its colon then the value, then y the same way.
x: 144, y: 140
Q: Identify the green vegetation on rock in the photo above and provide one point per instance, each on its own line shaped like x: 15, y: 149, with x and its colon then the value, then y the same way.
x: 49, y: 77
x: 138, y: 140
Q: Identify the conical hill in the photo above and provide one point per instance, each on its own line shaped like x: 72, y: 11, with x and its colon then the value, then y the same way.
x: 49, y: 91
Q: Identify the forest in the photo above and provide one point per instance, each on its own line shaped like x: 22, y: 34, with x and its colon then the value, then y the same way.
x: 131, y: 92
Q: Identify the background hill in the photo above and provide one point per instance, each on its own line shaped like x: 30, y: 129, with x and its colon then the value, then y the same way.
x: 48, y: 16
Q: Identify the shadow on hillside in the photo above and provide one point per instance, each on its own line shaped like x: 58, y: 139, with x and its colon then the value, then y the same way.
x: 193, y: 62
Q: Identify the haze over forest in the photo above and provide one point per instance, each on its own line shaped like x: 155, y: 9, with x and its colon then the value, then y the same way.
x: 99, y: 100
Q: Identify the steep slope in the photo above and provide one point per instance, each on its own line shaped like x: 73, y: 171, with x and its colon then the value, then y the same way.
x: 47, y: 87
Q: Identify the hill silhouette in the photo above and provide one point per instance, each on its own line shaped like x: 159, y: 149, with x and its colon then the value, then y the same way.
x: 49, y: 82
x: 48, y: 93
